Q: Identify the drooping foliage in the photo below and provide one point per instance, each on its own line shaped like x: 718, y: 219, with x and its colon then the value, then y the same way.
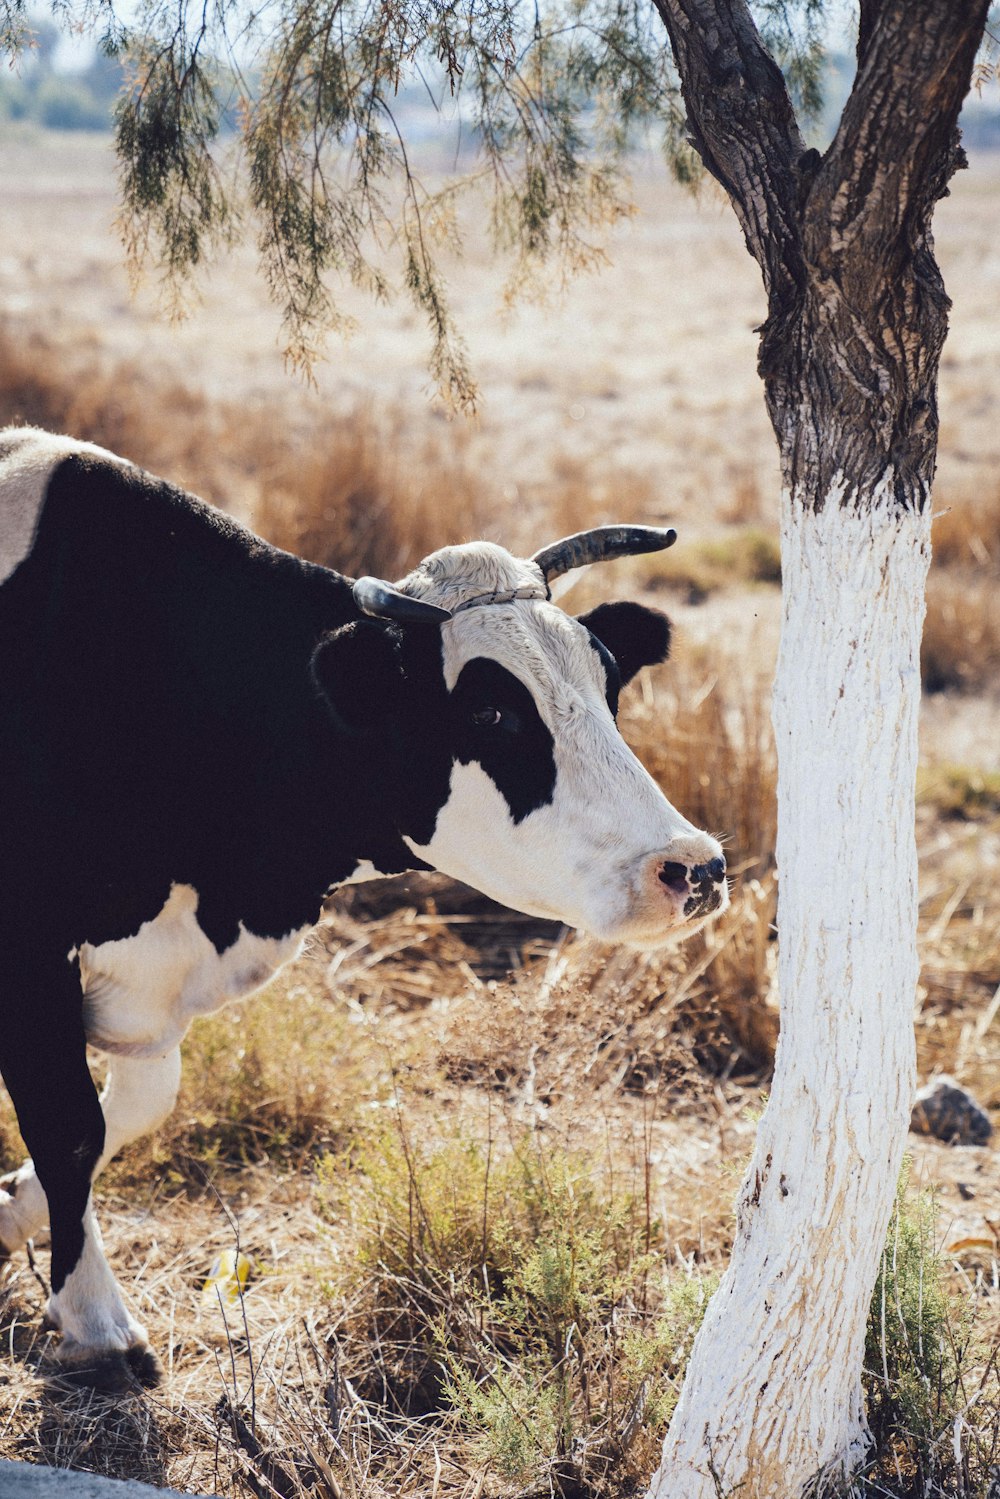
x: 328, y: 165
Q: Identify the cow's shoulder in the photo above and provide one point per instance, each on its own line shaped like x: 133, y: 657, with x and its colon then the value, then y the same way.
x: 29, y: 460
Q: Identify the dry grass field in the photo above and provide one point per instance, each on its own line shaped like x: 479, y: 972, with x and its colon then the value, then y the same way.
x: 481, y: 1169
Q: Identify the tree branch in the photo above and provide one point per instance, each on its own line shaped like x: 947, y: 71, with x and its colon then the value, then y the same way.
x: 897, y: 144
x: 743, y: 126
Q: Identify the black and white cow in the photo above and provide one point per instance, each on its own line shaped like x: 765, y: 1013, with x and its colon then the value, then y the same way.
x: 200, y: 735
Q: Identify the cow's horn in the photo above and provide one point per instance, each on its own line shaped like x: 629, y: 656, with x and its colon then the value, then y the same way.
x: 600, y: 545
x: 382, y: 601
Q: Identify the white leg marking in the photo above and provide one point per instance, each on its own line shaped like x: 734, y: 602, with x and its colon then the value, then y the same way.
x: 89, y: 1310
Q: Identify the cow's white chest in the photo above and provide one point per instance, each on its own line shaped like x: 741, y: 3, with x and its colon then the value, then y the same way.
x: 141, y: 993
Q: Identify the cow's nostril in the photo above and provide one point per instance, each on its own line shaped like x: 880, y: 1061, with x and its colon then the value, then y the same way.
x: 708, y: 874
x: 674, y: 876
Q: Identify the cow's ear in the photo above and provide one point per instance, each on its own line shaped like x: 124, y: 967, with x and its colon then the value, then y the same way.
x: 635, y: 636
x: 359, y: 674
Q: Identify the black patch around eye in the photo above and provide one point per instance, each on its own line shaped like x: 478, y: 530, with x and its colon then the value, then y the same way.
x: 517, y: 753
x: 612, y: 676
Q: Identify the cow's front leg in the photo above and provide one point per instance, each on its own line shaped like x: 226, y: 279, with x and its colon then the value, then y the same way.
x: 102, y: 1343
x: 43, y: 1058
x: 139, y: 1094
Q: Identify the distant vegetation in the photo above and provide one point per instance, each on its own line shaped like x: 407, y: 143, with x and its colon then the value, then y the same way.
x: 40, y: 92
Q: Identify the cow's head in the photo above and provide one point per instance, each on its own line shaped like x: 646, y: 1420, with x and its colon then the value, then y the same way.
x: 501, y: 712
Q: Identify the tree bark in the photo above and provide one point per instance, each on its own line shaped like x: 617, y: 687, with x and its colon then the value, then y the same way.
x: 857, y: 314
x: 772, y: 1399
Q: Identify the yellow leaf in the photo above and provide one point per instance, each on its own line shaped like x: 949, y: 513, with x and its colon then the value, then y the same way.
x: 227, y: 1277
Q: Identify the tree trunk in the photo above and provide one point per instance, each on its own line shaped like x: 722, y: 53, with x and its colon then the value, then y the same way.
x: 772, y: 1403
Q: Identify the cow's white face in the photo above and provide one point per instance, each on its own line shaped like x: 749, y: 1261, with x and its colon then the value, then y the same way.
x: 548, y: 810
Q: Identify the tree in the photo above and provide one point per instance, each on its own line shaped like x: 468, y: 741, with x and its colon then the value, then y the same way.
x: 857, y: 315
x: 849, y: 354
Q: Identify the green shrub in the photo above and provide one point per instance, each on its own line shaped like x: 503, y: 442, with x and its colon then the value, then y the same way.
x: 744, y: 554
x: 908, y: 1357
x: 960, y: 791
x: 508, y: 1288
x: 931, y: 1385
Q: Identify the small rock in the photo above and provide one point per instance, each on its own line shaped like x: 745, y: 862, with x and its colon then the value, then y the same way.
x: 25, y: 1481
x: 966, y: 1192
x: 949, y: 1112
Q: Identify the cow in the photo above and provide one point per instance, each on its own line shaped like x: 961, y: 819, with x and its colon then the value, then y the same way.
x: 201, y: 736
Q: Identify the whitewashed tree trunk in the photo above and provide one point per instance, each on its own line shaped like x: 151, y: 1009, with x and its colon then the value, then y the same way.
x: 772, y: 1406
x: 849, y: 352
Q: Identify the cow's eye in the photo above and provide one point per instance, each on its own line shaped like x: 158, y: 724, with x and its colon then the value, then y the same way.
x: 486, y: 718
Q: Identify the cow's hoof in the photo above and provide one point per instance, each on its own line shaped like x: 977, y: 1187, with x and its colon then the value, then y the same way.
x: 145, y: 1365
x: 112, y: 1371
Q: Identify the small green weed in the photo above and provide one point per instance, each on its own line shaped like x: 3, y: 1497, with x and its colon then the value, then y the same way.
x: 935, y: 1428
x: 745, y: 554
x: 909, y: 1363
x: 960, y: 791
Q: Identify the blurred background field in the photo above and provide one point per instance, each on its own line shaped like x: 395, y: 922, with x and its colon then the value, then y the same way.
x: 483, y: 1168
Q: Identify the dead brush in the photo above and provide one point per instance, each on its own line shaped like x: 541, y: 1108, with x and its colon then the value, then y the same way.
x: 353, y: 492
x: 362, y: 497
x: 34, y: 388
x: 159, y: 423
x: 120, y: 1440
x: 960, y: 650
x: 663, y: 1025
x: 360, y: 500
x: 576, y: 495
x: 961, y: 641
x: 966, y: 531
x: 357, y: 491
x: 702, y: 727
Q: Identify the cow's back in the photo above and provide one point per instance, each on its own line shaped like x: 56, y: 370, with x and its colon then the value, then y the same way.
x: 155, y: 664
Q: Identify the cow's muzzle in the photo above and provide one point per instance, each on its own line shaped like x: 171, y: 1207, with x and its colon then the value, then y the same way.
x: 701, y: 886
